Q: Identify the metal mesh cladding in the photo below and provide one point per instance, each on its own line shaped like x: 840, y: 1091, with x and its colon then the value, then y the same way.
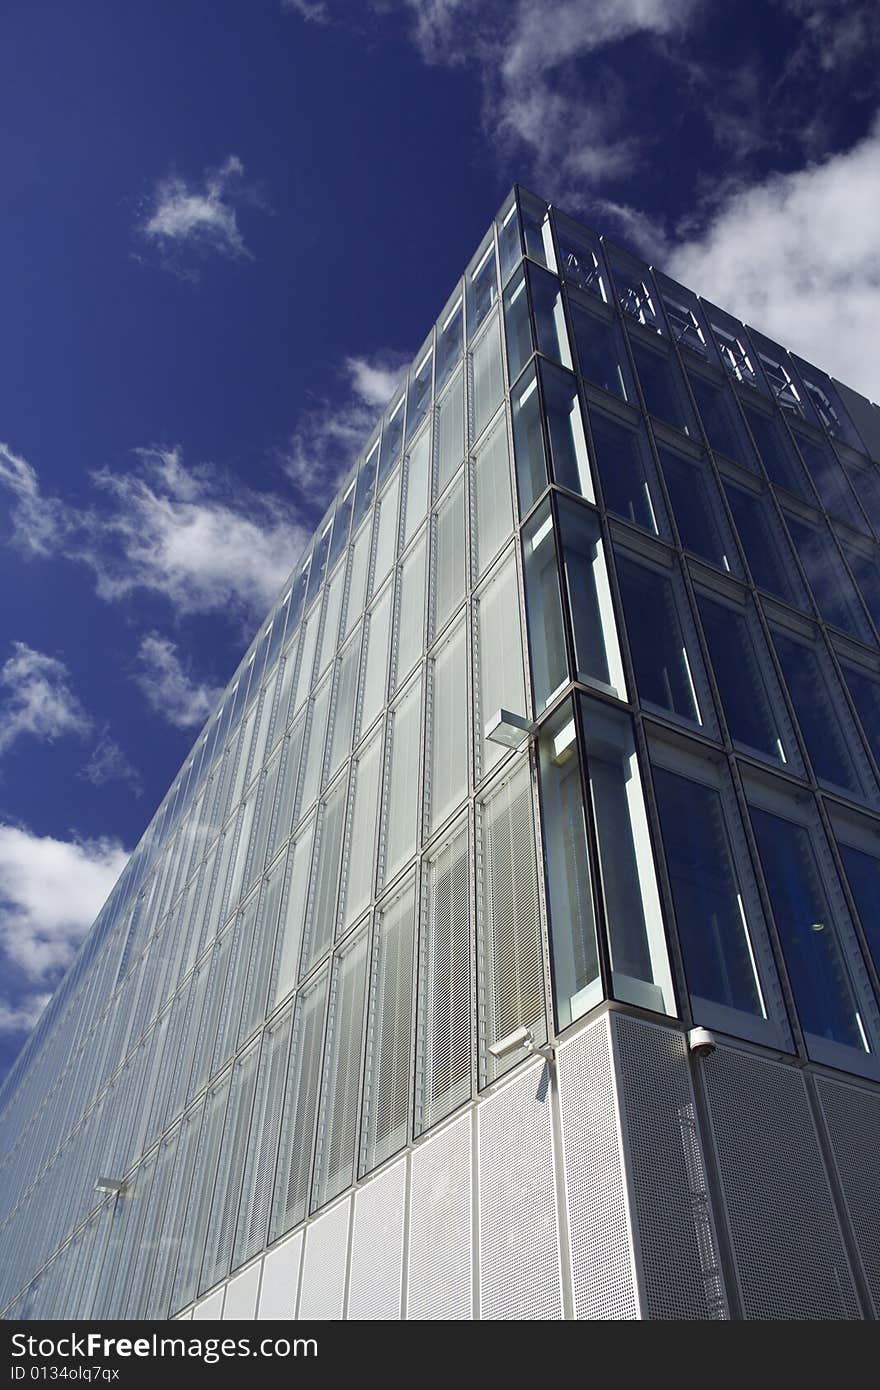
x: 376, y: 1275
x: 324, y: 1260
x: 519, y: 1239
x: 852, y: 1118
x: 440, y: 1274
x: 601, y: 1252
x: 681, y: 1272
x: 789, y: 1254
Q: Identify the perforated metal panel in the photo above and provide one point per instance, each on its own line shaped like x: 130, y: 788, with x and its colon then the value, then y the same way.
x: 678, y: 1249
x: 601, y: 1248
x: 281, y: 1279
x: 519, y: 1239
x: 443, y: 1057
x: 256, y: 1196
x: 298, y: 1110
x: 323, y: 1276
x: 227, y: 1185
x: 790, y: 1258
x: 852, y: 1118
x: 510, y: 992
x: 439, y: 1281
x: 376, y: 1277
x: 338, y: 1111
x: 389, y: 1031
x: 241, y: 1295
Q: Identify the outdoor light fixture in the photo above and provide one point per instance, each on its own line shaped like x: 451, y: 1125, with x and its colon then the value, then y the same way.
x: 113, y: 1185
x: 522, y: 1040
x: 511, y: 730
x: 701, y: 1042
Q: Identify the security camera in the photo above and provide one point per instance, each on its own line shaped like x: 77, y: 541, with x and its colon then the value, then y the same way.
x: 520, y: 1040
x: 701, y: 1042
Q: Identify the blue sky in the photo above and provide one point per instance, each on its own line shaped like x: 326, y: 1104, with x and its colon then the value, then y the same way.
x: 227, y: 223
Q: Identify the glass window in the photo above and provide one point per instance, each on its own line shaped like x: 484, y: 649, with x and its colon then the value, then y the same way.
x: 577, y: 985
x: 820, y: 709
x: 450, y: 432
x: 366, y: 488
x: 580, y: 255
x: 865, y: 694
x: 418, y: 486
x: 662, y: 386
x: 866, y: 486
x: 411, y: 610
x: 624, y: 466
x: 499, y: 655
x: 293, y: 914
x: 590, y: 610
x: 339, y: 540
x: 528, y: 440
x: 510, y: 977
x: 419, y: 398
x: 449, y: 555
x: 493, y: 502
x: 565, y: 427
x: 833, y: 590
x: 362, y: 828
x: 816, y: 966
x: 448, y: 723
x: 600, y: 351
x: 488, y: 377
x: 535, y: 219
x: 344, y: 704
x: 639, y: 967
x: 509, y: 247
x: 719, y: 922
x: 386, y: 532
x: 357, y: 583
x: 290, y: 1195
x: 313, y: 757
x: 767, y: 550
x: 392, y: 441
x: 376, y: 666
x: 321, y: 917
x: 402, y: 800
x: 341, y: 1072
x: 864, y: 567
x: 634, y: 293
x: 663, y: 666
x: 308, y: 642
x: 721, y: 421
x: 702, y: 525
x: 744, y: 678
x: 549, y: 662
x: 332, y: 610
x: 256, y: 1192
x: 862, y: 868
x: 549, y: 316
x: 777, y: 455
x: 449, y: 343
x: 443, y: 1038
x: 389, y: 1021
x: 482, y: 287
x: 829, y: 480
x: 517, y: 325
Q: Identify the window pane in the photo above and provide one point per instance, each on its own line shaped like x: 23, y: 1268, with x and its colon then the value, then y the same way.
x: 293, y: 914
x: 332, y: 610
x: 481, y: 287
x: 660, y: 657
x: 321, y: 917
x: 499, y: 659
x: 600, y: 352
x: 419, y: 398
x: 549, y: 316
x: 418, y: 486
x: 549, y: 662
x: 863, y: 876
x: 488, y: 377
x: 386, y: 532
x: 623, y: 464
x: 357, y: 584
x: 832, y: 587
x: 867, y: 577
x: 697, y: 509
x: 289, y: 1199
x: 494, y: 506
x: 865, y: 694
x: 517, y: 325
x: 411, y: 610
x: 443, y: 1044
x: 816, y: 967
x: 449, y: 752
x: 376, y: 669
x: 709, y: 911
x: 829, y: 480
x: 450, y: 432
x: 767, y: 550
x: 742, y: 678
x: 528, y: 441
x: 661, y: 386
x: 363, y: 823
x: 344, y: 704
x: 392, y: 442
x: 576, y: 983
x: 340, y: 1076
x: 402, y: 800
x: 818, y: 706
x: 777, y: 454
x: 565, y: 425
x: 449, y: 344
x: 449, y: 555
x: 594, y: 631
x: 721, y: 422
x: 389, y: 1021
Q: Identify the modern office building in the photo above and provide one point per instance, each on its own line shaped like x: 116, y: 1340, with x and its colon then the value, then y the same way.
x: 648, y: 537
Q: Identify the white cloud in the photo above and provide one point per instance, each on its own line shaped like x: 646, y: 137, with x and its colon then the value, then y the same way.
x: 798, y: 257
x: 330, y: 433
x: 314, y: 10
x: 33, y: 515
x: 168, y: 687
x: 21, y: 1016
x: 50, y: 893
x: 187, y: 534
x: 108, y: 763
x: 37, y: 699
x: 198, y: 217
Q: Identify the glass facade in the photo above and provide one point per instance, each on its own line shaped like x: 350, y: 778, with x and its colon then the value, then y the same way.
x: 604, y: 506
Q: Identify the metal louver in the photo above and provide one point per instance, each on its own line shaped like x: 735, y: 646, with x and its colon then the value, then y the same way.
x: 443, y: 1063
